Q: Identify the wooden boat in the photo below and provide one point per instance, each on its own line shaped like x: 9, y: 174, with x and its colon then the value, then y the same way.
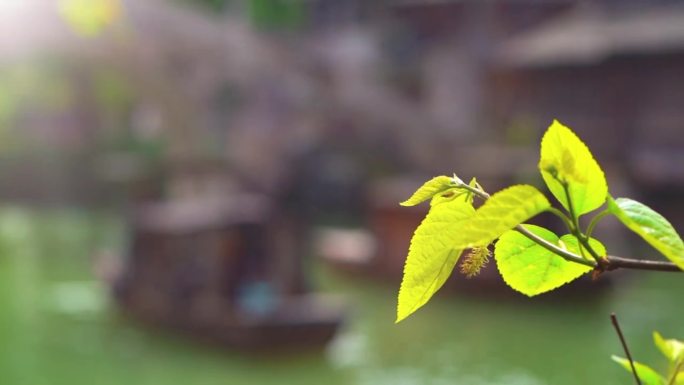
x: 220, y: 270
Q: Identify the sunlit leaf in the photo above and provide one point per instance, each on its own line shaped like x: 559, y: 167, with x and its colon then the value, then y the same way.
x: 90, y: 17
x: 501, y: 212
x: 647, y: 375
x: 672, y: 349
x: 651, y: 226
x: 447, y: 196
x: 680, y: 378
x: 431, y: 256
x: 564, y: 157
x: 429, y: 189
x: 530, y: 268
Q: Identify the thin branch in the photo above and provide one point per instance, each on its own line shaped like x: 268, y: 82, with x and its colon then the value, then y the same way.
x: 613, y: 262
x: 604, y: 264
x: 565, y: 254
x: 568, y: 256
x: 616, y: 325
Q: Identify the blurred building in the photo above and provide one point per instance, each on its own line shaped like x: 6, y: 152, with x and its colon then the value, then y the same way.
x: 310, y: 102
x: 614, y: 74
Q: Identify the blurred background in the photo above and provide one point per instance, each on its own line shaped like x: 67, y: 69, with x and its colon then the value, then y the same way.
x: 206, y: 191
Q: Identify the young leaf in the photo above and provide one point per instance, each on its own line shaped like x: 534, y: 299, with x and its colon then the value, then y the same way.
x: 531, y: 269
x: 431, y: 256
x: 429, y: 189
x: 647, y: 375
x: 571, y: 244
x: 564, y: 157
x: 672, y: 349
x: 447, y: 195
x: 501, y: 212
x: 651, y: 226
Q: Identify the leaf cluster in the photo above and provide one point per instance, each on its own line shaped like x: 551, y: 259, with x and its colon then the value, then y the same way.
x: 531, y: 259
x: 673, y: 350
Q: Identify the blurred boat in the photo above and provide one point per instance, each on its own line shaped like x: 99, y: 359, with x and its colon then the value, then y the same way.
x: 218, y: 270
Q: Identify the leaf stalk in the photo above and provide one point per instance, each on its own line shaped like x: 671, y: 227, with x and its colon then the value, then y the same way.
x: 565, y: 254
x: 581, y: 238
x: 608, y: 263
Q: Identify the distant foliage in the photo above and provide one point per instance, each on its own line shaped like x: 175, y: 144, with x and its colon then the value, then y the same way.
x: 673, y: 350
x: 90, y: 17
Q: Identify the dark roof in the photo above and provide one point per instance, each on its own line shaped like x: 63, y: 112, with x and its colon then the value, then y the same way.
x: 589, y: 36
x: 191, y: 216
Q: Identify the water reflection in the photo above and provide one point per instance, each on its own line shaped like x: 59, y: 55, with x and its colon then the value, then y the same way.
x: 57, y: 327
x: 78, y: 298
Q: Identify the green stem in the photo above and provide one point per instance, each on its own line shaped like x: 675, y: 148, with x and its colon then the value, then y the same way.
x: 595, y: 221
x: 675, y: 372
x: 581, y: 238
x: 571, y: 208
x: 585, y: 242
x: 480, y: 193
x: 568, y: 256
x: 563, y: 217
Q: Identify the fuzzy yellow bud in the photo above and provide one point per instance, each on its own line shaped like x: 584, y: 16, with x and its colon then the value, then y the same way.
x: 474, y: 261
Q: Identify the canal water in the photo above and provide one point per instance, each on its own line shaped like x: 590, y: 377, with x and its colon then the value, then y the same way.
x: 58, y: 327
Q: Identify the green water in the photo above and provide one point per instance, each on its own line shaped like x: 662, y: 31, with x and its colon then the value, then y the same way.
x: 57, y: 327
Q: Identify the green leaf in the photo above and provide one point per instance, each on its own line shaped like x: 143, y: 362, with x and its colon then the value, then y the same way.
x: 672, y: 349
x: 651, y: 226
x: 647, y: 375
x: 431, y: 256
x: 572, y: 244
x: 530, y: 268
x: 447, y: 196
x: 473, y: 183
x: 565, y: 158
x: 501, y: 212
x: 431, y: 188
